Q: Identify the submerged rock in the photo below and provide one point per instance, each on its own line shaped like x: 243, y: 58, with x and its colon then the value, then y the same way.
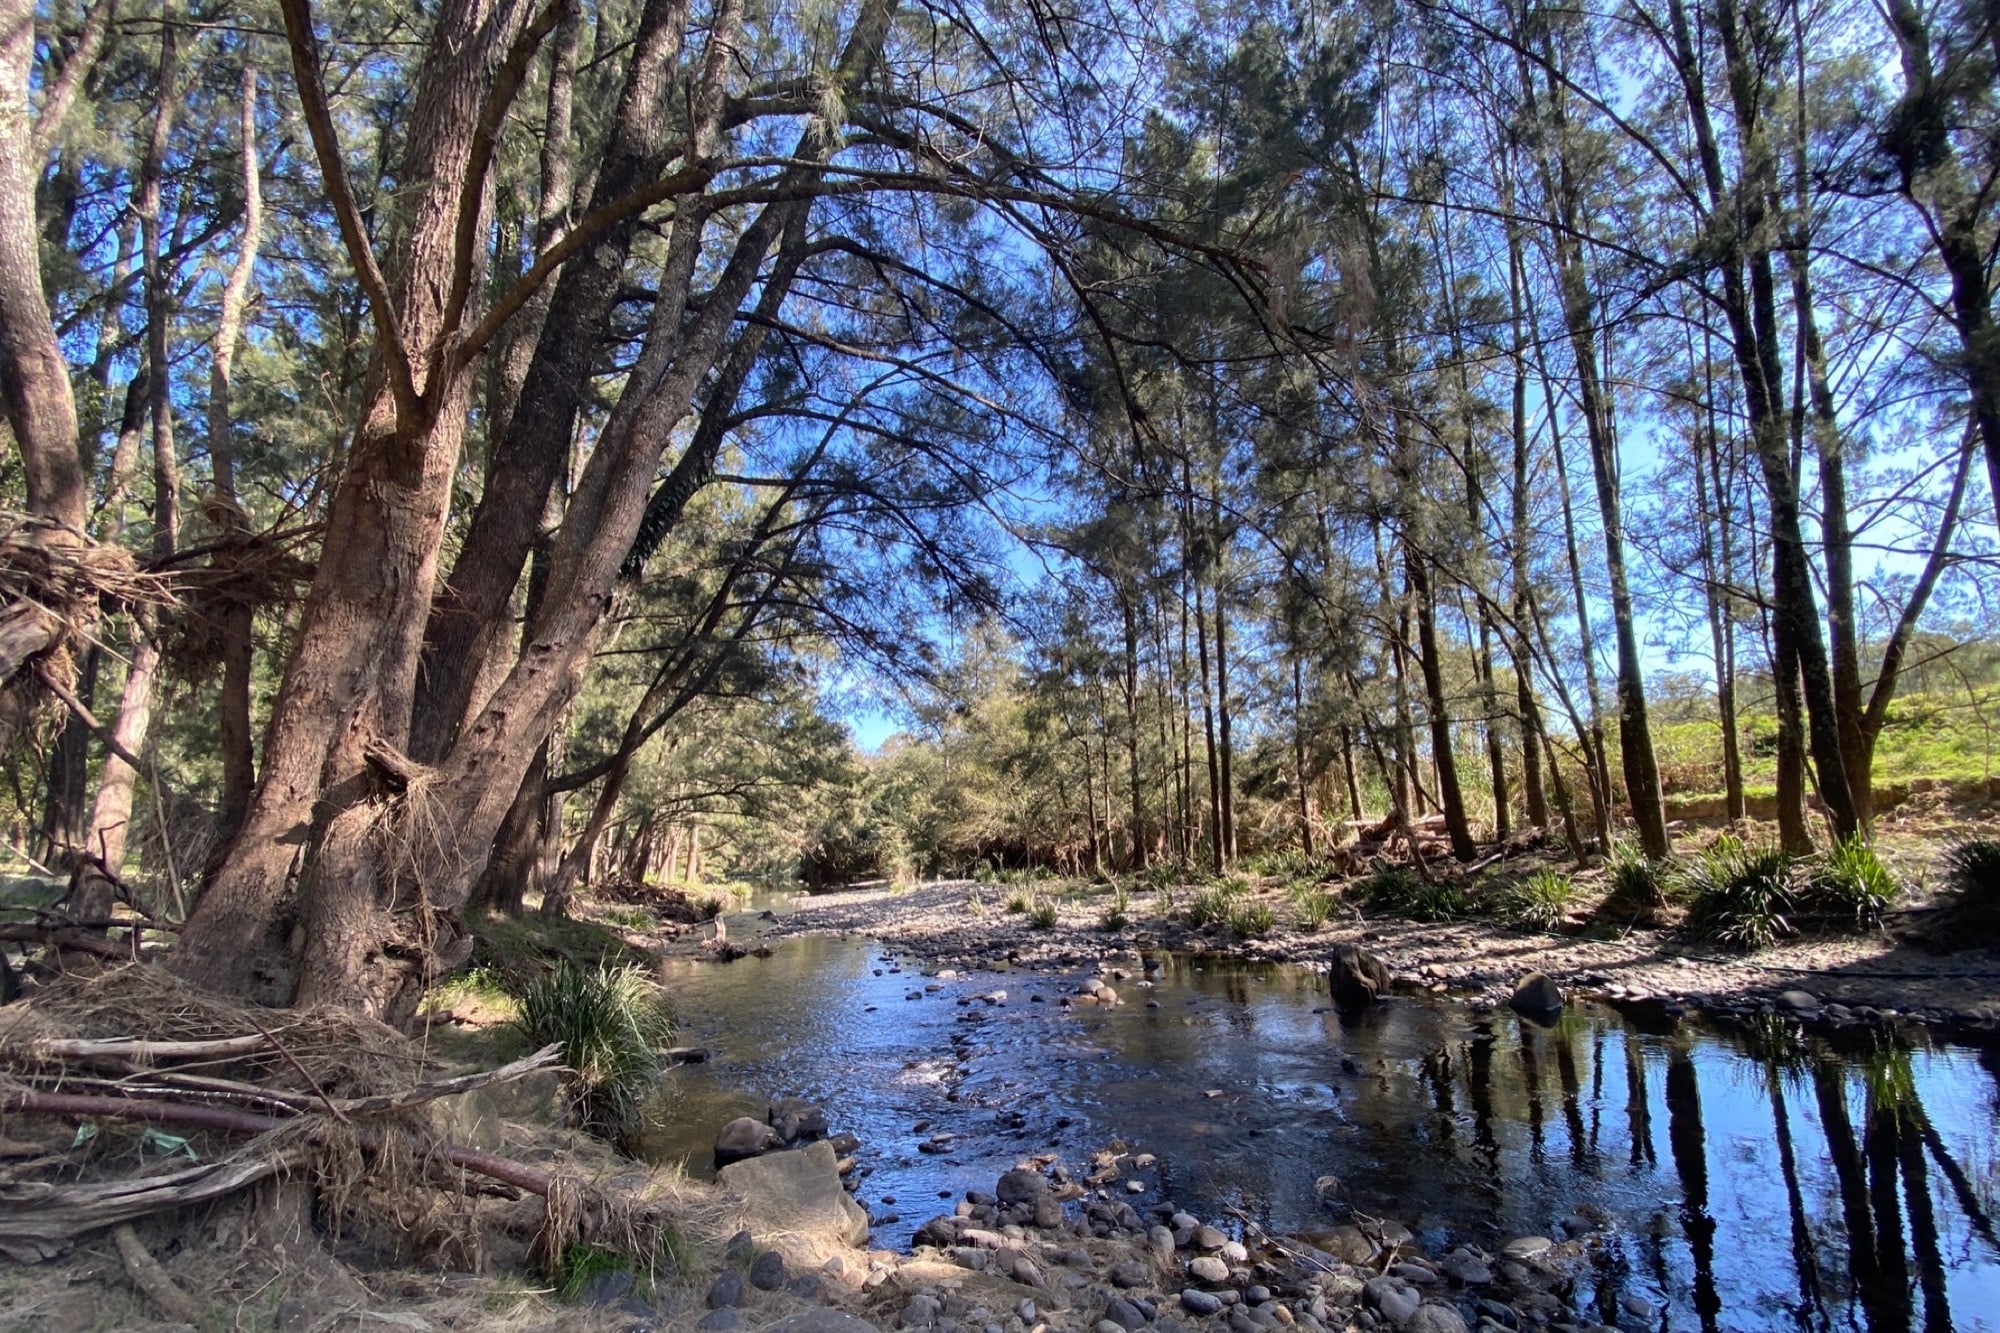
x: 1535, y: 996
x: 741, y: 1139
x: 1357, y: 977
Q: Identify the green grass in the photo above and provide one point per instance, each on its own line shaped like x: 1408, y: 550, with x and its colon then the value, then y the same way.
x: 1541, y: 901
x: 1249, y: 921
x: 1311, y: 905
x: 1971, y: 872
x: 1404, y: 892
x: 1850, y: 886
x: 611, y: 1024
x: 1741, y: 896
x: 1208, y: 907
x: 630, y: 918
x: 1020, y: 901
x: 1117, y: 913
x: 1042, y: 916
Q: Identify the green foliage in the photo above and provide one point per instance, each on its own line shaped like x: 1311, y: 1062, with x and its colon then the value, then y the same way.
x: 1289, y: 863
x: 1165, y: 902
x: 630, y: 918
x: 1251, y: 920
x: 1208, y: 907
x: 1043, y: 915
x: 1117, y: 913
x: 1741, y: 895
x: 1401, y: 890
x: 1972, y: 883
x: 611, y: 1024
x: 580, y: 1263
x: 1638, y: 885
x: 1850, y: 885
x: 707, y: 906
x: 1020, y: 901
x: 1310, y: 904
x: 1541, y: 901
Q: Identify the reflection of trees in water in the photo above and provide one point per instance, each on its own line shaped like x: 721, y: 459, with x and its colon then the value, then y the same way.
x: 1688, y: 1142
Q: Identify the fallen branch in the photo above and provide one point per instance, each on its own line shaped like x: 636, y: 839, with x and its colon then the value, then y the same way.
x: 134, y: 1051
x: 151, y: 1279
x: 547, y: 1058
x: 67, y: 937
x: 39, y: 1221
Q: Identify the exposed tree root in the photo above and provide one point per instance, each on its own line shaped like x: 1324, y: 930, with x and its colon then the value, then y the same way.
x: 151, y: 1279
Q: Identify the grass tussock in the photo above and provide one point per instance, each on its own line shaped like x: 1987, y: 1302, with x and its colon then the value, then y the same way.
x: 1541, y: 901
x: 1403, y: 892
x: 611, y: 1023
x: 1972, y: 891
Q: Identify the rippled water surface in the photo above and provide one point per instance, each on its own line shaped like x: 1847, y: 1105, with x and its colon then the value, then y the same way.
x: 1749, y: 1183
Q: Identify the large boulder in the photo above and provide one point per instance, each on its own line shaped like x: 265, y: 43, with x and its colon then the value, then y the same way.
x: 1536, y: 997
x: 1021, y: 1186
x: 797, y: 1194
x: 741, y: 1139
x: 1357, y: 977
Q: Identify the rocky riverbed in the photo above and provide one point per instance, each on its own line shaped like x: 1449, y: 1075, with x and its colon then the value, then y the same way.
x: 1054, y: 1248
x: 1861, y: 979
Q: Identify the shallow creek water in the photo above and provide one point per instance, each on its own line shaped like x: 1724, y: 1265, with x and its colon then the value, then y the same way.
x: 1747, y: 1181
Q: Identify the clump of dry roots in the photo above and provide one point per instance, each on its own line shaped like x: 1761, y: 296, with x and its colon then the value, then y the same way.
x: 229, y: 1096
x: 53, y: 583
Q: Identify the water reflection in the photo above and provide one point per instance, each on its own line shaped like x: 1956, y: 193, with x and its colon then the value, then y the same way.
x: 1801, y: 1187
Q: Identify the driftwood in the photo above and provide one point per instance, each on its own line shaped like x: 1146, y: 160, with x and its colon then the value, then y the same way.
x: 151, y: 1279
x: 122, y: 1079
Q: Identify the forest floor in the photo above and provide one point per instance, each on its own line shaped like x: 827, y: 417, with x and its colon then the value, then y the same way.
x: 1892, y: 972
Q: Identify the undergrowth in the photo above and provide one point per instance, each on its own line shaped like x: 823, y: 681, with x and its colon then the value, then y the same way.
x: 1401, y: 890
x: 611, y: 1023
x: 1972, y: 881
x: 1541, y: 901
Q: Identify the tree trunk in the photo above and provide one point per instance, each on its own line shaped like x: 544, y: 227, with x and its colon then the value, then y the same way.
x: 1450, y: 797
x: 1131, y: 686
x: 1299, y: 765
x: 350, y: 682
x: 239, y: 765
x: 34, y: 377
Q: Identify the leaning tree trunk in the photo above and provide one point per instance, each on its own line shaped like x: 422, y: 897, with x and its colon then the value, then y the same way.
x: 348, y: 687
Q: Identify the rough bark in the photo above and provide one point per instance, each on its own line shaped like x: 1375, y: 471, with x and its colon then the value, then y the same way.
x: 1450, y: 796
x: 34, y: 378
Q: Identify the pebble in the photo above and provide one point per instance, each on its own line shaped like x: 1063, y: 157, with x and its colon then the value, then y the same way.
x: 1122, y: 1314
x: 1526, y: 1247
x: 1209, y: 1238
x: 1209, y: 1268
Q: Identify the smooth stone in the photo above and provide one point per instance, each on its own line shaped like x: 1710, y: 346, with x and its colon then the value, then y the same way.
x: 1196, y: 1301
x: 1234, y: 1252
x: 1535, y: 996
x: 1209, y: 1238
x: 723, y: 1319
x: 741, y: 1139
x: 1128, y: 1274
x: 1123, y: 1314
x: 1209, y: 1268
x: 605, y: 1288
x: 1161, y: 1242
x: 1526, y: 1247
x: 1465, y: 1267
x: 1802, y: 1001
x: 1394, y: 1298
x: 1435, y: 1318
x: 1356, y: 977
x: 796, y: 1121
x: 1021, y: 1186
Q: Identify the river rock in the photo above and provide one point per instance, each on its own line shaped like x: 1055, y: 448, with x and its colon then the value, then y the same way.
x: 1535, y: 996
x: 1209, y: 1268
x: 1209, y: 1238
x: 1356, y: 977
x: 1799, y: 1001
x: 820, y: 1321
x: 741, y: 1139
x: 1234, y: 1252
x: 1435, y: 1318
x: 1395, y: 1298
x: 1129, y: 1273
x: 1466, y: 1268
x: 1021, y: 1185
x: 1161, y: 1242
x: 796, y: 1121
x: 768, y: 1272
x: 798, y: 1192
x: 1124, y: 1314
x: 726, y: 1319
x: 1526, y: 1247
x: 726, y: 1290
x: 1196, y: 1301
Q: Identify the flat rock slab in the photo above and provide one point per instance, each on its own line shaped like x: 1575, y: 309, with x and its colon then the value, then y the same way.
x: 797, y: 1192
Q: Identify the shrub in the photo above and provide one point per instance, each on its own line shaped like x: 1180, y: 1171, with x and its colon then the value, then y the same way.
x: 1541, y: 901
x: 1972, y: 878
x: 1398, y: 889
x: 1312, y: 906
x: 611, y: 1024
x: 1164, y: 902
x: 707, y: 907
x: 1042, y: 916
x: 1850, y: 885
x: 1020, y: 901
x: 1638, y: 885
x: 1287, y: 863
x: 1251, y: 920
x: 1116, y: 913
x: 1743, y: 896
x: 1210, y: 905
